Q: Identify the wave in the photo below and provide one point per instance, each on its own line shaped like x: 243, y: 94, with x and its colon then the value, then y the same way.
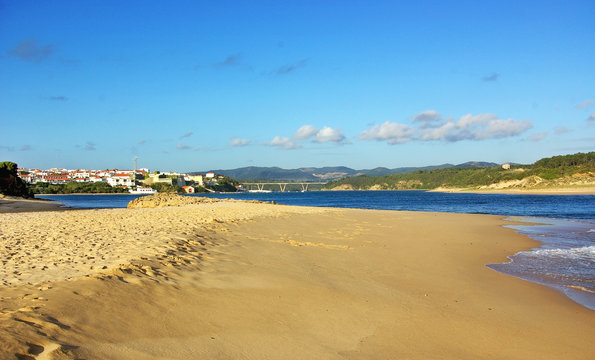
x: 581, y: 253
x: 581, y: 288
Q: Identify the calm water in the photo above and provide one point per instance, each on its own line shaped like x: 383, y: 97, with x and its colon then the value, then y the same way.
x: 565, y: 261
x: 555, y: 206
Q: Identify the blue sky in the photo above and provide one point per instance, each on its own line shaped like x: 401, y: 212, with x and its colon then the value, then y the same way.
x: 200, y: 85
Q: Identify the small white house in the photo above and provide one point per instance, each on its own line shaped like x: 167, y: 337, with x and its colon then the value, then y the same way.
x: 95, y: 179
x: 81, y: 174
x: 121, y: 179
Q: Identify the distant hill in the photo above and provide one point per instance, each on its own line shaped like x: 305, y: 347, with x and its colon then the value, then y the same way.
x: 477, y: 164
x: 323, y: 174
x: 575, y: 170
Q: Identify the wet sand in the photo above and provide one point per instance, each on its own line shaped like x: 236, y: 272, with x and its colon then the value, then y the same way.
x: 227, y: 280
x: 12, y: 204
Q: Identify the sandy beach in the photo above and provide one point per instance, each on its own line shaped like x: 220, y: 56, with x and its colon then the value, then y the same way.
x: 238, y: 280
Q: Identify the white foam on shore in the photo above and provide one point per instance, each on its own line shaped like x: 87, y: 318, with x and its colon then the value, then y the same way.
x: 566, y: 260
x: 582, y: 253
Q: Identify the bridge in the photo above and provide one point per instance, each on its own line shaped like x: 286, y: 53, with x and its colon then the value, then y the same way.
x: 282, y: 185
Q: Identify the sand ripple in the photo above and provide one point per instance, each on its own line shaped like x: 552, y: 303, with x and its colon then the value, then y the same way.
x: 52, y: 246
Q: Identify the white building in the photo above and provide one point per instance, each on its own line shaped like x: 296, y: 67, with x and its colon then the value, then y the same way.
x: 95, y: 179
x: 121, y: 179
x: 81, y: 174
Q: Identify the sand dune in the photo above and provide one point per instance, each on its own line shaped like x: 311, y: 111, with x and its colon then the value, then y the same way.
x: 231, y: 280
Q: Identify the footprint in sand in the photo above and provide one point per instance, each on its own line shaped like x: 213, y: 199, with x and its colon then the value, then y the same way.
x: 38, y: 352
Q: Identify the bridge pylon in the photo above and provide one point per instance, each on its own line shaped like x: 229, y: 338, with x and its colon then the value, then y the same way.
x: 283, y: 185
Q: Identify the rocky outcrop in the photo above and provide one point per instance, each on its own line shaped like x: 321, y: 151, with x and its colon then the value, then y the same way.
x: 169, y: 199
x: 165, y: 200
x: 343, y: 187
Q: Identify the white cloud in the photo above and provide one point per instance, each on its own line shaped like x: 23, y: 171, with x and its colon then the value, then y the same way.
x: 283, y: 143
x: 305, y: 132
x: 324, y: 135
x: 188, y: 134
x: 22, y: 148
x: 393, y: 133
x: 584, y: 104
x: 476, y: 127
x: 468, y: 120
x: 289, y: 68
x: 432, y: 127
x: 31, y: 50
x: 501, y: 128
x: 591, y: 117
x: 426, y: 118
x: 327, y: 134
x: 239, y: 142
x: 231, y: 60
x: 182, y: 146
x: 89, y: 146
x: 491, y: 77
x: 537, y: 136
x: 444, y: 131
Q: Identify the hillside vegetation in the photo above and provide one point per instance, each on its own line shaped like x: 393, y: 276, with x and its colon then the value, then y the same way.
x: 72, y: 187
x: 558, y: 171
x: 10, y: 183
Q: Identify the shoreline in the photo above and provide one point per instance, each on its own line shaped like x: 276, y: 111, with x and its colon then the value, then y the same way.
x: 584, y: 190
x: 545, y: 191
x: 125, y: 193
x: 233, y: 280
x: 12, y: 204
x: 44, y: 205
x: 514, y: 265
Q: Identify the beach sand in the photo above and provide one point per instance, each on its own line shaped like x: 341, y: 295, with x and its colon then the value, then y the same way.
x: 234, y: 280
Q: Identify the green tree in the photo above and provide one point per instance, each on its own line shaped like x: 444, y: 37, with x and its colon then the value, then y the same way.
x: 165, y: 188
x: 11, y: 183
x: 76, y: 188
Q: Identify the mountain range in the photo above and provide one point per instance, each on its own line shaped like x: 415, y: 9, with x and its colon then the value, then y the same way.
x: 324, y: 174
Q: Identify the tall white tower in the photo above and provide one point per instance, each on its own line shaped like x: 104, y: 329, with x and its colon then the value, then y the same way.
x: 134, y: 173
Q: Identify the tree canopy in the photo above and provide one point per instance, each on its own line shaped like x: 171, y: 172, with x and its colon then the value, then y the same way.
x: 11, y: 183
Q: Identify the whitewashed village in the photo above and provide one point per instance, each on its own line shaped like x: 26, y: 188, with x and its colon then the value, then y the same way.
x: 137, y: 181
